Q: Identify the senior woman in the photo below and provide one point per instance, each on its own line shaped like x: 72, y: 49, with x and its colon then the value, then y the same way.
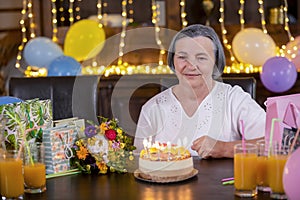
x: 199, y: 112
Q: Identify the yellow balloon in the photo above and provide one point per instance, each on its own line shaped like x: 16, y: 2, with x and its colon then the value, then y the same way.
x: 84, y: 40
x: 253, y: 46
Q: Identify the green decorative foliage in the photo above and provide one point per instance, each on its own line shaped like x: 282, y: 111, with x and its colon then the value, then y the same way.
x: 25, y: 120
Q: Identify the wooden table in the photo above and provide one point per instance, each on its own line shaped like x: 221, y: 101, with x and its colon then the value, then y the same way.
x: 205, y: 185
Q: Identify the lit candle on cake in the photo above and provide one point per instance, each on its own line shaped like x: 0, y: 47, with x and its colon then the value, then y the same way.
x: 178, y: 148
x: 145, y: 143
x: 150, y: 140
x: 149, y: 145
x: 169, y: 145
x: 169, y: 150
x: 157, y: 146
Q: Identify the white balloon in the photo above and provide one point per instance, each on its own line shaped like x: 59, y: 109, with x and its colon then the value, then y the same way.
x: 253, y: 46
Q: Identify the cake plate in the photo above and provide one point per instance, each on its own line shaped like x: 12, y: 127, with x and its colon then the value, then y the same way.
x: 140, y: 176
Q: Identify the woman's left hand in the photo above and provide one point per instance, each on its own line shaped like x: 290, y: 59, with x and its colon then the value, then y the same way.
x: 208, y: 147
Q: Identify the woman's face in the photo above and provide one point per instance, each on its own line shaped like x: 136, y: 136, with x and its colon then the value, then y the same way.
x: 194, y: 60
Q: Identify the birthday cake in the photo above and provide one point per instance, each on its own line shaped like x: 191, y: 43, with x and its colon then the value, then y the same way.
x: 162, y: 162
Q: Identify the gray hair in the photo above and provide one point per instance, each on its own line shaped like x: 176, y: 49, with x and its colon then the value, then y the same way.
x: 196, y: 30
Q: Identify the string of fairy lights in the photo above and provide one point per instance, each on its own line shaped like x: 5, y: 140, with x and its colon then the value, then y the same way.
x: 123, y: 32
x: 130, y: 11
x: 183, y: 14
x: 24, y: 37
x: 77, y: 10
x: 155, y: 21
x: 226, y: 44
x: 74, y: 13
x: 61, y: 11
x: 104, y: 9
x: 246, y: 67
x: 241, y: 13
x: 235, y: 67
x: 71, y: 12
x: 26, y: 13
x: 31, y: 21
x: 54, y: 21
x: 99, y: 13
x: 286, y: 21
x: 124, y: 67
x: 291, y: 53
x: 100, y: 22
x: 262, y: 15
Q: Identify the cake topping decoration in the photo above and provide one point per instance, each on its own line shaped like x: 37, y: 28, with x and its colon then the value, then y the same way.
x: 163, y: 151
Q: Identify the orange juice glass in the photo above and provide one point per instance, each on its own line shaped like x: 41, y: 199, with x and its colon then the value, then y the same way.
x: 34, y: 169
x: 276, y: 163
x: 245, y: 162
x: 34, y: 175
x: 262, y: 172
x: 262, y: 167
x: 11, y: 178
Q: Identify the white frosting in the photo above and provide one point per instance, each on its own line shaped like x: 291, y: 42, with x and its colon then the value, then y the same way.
x: 166, y: 168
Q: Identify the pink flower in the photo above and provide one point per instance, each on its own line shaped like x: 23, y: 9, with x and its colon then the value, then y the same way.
x: 110, y: 134
x: 116, y: 145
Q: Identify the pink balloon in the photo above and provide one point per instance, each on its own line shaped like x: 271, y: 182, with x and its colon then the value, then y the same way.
x: 290, y: 50
x: 291, y: 176
x: 296, y: 62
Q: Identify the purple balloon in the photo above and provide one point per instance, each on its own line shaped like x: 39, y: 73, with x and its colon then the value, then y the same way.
x: 291, y: 176
x: 278, y: 74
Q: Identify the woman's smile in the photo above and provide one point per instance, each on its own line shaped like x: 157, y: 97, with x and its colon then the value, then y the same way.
x: 191, y: 75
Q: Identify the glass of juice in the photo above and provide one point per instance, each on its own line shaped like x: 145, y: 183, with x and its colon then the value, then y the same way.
x: 11, y: 176
x: 276, y: 162
x: 34, y: 168
x: 262, y: 167
x: 245, y: 170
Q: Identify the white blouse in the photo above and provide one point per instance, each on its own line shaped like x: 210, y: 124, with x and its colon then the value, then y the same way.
x: 218, y: 116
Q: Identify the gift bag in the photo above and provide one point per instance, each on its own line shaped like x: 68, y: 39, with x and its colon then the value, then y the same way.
x: 291, y: 118
x: 284, y: 113
x: 28, y: 117
x: 79, y: 123
x: 58, y: 142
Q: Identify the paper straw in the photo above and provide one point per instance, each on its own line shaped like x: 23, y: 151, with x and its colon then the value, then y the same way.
x: 271, y: 135
x: 243, y: 136
x: 24, y: 141
x: 4, y: 146
x: 228, y: 182
x: 227, y: 179
x: 294, y: 141
x: 65, y: 173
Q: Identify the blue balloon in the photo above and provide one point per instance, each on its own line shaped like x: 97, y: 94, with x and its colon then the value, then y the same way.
x: 41, y: 51
x: 8, y: 99
x: 278, y: 74
x: 64, y: 66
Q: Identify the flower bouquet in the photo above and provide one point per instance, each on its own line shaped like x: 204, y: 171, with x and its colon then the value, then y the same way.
x: 105, y: 147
